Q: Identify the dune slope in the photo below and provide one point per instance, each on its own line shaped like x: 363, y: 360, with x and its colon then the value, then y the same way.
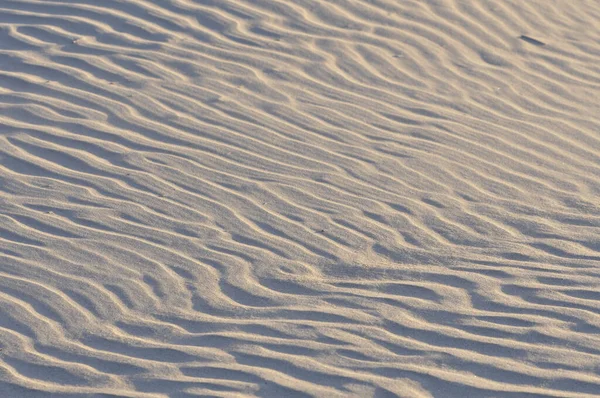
x: 343, y: 198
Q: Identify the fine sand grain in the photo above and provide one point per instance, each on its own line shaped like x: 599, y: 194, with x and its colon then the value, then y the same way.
x: 277, y: 198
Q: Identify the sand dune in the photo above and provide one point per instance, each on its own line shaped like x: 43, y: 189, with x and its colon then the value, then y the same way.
x: 343, y: 198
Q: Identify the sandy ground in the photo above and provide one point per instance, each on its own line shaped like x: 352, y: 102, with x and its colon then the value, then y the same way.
x: 276, y: 198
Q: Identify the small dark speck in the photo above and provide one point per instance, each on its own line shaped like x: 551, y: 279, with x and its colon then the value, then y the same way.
x: 532, y: 40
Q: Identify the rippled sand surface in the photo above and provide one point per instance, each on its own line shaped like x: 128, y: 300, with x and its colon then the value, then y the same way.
x: 273, y: 198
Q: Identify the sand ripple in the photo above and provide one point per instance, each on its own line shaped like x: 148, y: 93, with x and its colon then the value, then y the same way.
x: 299, y: 198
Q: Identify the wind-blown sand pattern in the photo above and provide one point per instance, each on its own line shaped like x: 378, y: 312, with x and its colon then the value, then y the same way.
x: 341, y: 198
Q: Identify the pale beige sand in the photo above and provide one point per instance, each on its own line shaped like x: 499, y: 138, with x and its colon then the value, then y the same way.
x: 341, y: 198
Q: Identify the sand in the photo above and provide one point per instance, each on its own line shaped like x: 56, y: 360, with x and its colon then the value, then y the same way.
x: 273, y: 198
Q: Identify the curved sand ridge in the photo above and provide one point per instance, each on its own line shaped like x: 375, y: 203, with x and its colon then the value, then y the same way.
x: 299, y: 198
